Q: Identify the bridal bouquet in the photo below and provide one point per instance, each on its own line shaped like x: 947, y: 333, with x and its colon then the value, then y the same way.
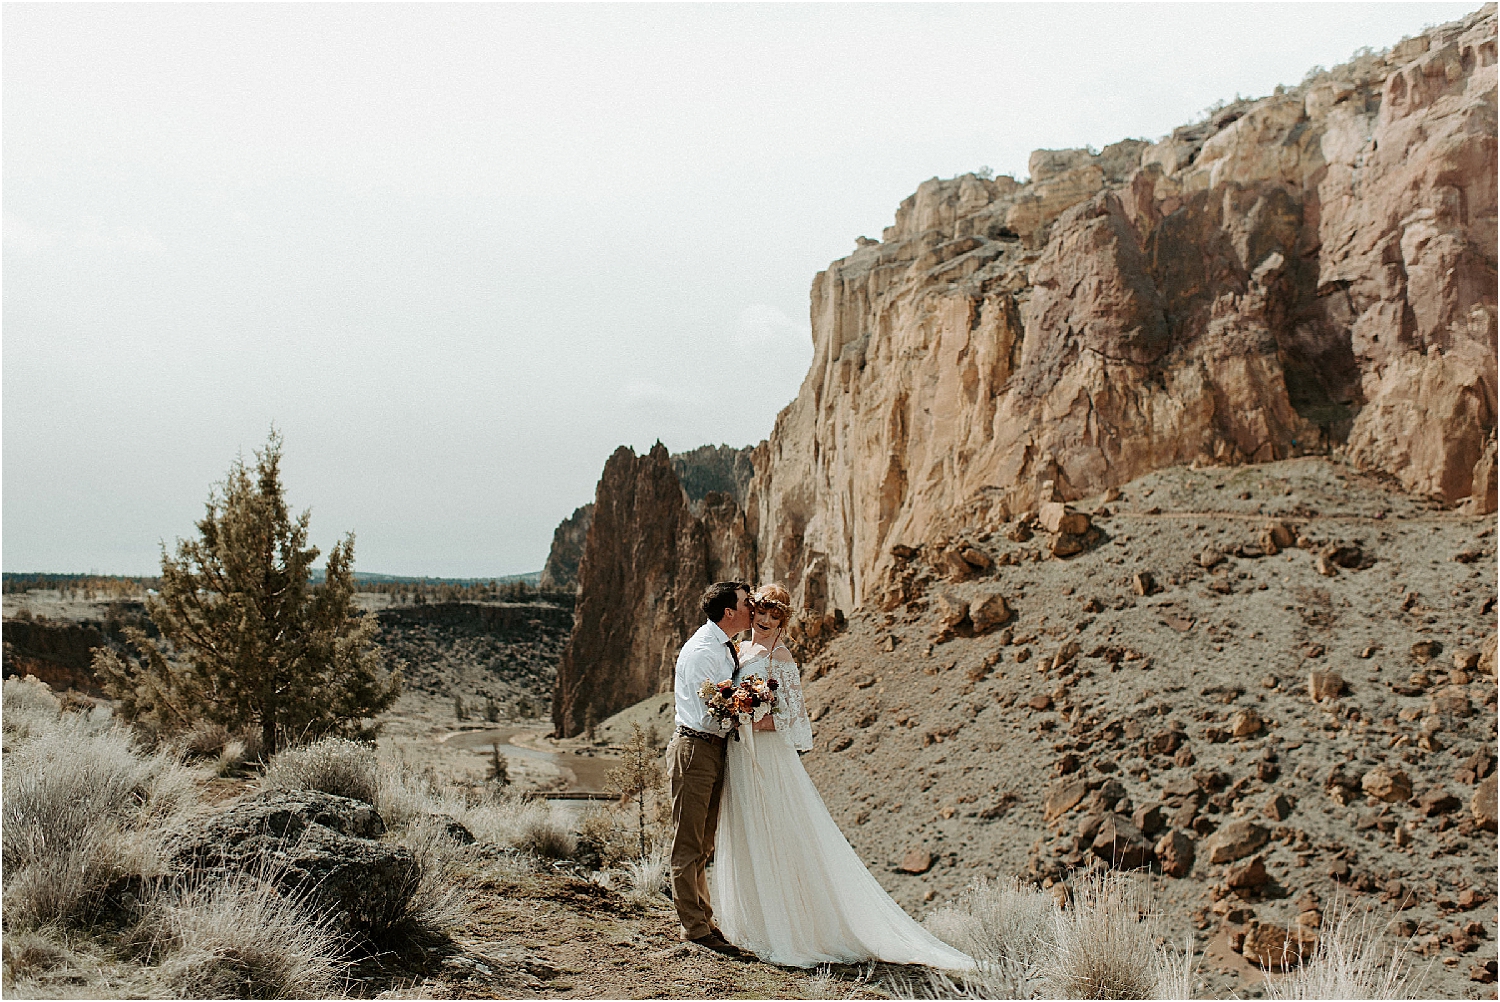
x: 753, y: 698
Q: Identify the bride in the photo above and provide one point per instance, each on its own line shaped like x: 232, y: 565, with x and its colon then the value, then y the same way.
x: 788, y: 886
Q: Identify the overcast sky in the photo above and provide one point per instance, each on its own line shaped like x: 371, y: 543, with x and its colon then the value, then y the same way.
x: 460, y: 253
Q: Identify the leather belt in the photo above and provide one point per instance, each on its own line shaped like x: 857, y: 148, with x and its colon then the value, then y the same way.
x: 688, y: 732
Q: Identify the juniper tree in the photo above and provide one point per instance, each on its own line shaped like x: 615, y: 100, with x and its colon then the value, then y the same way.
x: 247, y: 640
x: 638, y: 773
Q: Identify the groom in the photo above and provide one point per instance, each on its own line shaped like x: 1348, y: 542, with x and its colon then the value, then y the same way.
x: 696, y: 759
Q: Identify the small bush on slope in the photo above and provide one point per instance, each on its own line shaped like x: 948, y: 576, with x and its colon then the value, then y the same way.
x: 338, y: 766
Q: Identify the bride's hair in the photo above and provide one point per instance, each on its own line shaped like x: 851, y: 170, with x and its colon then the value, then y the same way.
x: 773, y: 596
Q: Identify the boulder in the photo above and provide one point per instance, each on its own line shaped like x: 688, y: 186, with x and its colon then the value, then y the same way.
x: 951, y: 609
x: 1244, y: 723
x: 1149, y: 819
x: 1248, y: 875
x: 1175, y: 852
x: 1065, y: 544
x: 916, y: 860
x: 1065, y: 654
x: 1424, y: 651
x: 309, y: 843
x: 1437, y: 801
x: 1486, y: 662
x: 1041, y: 702
x: 953, y: 566
x: 1276, y: 948
x: 1281, y: 535
x: 1278, y: 808
x: 976, y: 558
x: 1056, y: 517
x: 989, y: 612
x: 1062, y: 797
x: 1341, y: 787
x: 1386, y: 784
x: 1453, y: 701
x: 1211, y: 556
x: 1482, y: 805
x: 1235, y: 840
x: 1143, y: 583
x: 1323, y: 685
x: 1121, y: 844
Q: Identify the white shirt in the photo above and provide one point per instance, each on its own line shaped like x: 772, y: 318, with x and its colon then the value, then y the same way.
x: 705, y: 657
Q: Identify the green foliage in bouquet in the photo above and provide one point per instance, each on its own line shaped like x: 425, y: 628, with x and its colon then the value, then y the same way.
x: 248, y: 640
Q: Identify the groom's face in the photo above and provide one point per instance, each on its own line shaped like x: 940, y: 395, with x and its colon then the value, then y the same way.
x: 738, y: 618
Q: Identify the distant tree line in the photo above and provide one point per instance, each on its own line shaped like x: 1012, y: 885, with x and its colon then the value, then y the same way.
x: 85, y: 586
x: 406, y: 591
x: 426, y: 592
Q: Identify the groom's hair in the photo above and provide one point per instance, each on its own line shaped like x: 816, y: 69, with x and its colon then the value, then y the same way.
x: 720, y: 597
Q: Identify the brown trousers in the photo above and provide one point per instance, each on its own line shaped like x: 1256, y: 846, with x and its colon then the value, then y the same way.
x: 696, y: 779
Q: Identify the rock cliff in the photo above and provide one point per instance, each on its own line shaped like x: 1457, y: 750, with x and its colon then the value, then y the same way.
x: 715, y: 468
x: 1309, y: 272
x: 648, y: 554
x: 561, y: 571
x: 1313, y: 272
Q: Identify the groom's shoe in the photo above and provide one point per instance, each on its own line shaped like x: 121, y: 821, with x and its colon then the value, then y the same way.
x: 718, y: 944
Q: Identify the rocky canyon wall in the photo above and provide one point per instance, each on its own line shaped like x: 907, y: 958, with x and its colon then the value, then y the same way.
x: 1312, y: 271
x: 648, y: 553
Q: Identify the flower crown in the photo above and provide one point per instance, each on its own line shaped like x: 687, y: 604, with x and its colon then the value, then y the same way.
x: 772, y: 604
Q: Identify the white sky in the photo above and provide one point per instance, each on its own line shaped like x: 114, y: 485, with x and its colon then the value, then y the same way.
x: 459, y: 253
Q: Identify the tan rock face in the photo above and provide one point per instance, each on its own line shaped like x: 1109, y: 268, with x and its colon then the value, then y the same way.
x: 1309, y: 271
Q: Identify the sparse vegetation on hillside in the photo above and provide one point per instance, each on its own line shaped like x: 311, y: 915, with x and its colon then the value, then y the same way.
x: 248, y: 638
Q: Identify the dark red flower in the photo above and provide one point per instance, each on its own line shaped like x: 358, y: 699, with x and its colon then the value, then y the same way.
x: 773, y: 685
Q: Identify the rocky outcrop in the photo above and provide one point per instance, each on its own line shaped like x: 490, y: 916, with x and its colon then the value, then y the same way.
x: 715, y: 469
x: 561, y: 570
x: 647, y: 557
x: 1309, y: 272
x: 312, y: 845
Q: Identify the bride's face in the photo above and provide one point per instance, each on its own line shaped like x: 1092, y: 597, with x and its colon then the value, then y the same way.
x: 767, y: 620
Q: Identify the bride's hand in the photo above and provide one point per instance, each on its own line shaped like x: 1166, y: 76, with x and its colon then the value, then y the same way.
x: 766, y: 723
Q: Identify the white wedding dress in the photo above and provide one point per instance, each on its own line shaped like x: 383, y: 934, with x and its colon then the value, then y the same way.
x: 786, y: 885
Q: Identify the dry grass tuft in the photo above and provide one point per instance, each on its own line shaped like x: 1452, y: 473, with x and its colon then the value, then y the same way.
x: 83, y: 808
x: 514, y: 822
x: 29, y: 708
x: 238, y: 938
x: 439, y: 901
x: 338, y: 766
x: 1353, y: 960
x: 403, y: 794
x: 1104, y: 944
x: 648, y: 878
